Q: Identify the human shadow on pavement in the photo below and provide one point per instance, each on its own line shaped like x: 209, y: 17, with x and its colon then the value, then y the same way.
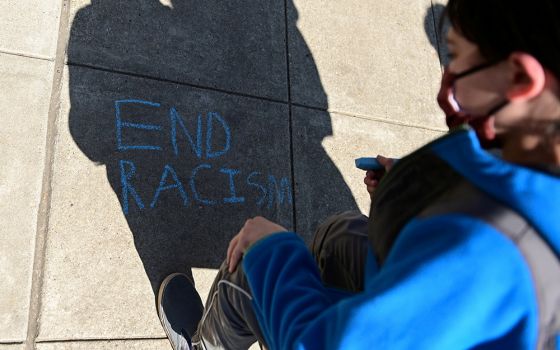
x: 161, y: 95
x: 436, y: 27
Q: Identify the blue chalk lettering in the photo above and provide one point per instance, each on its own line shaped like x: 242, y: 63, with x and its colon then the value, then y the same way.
x: 176, y: 118
x: 196, y: 195
x: 120, y: 125
x: 261, y: 188
x: 209, y: 131
x: 176, y: 184
x: 126, y: 185
x: 233, y: 198
x: 285, y: 187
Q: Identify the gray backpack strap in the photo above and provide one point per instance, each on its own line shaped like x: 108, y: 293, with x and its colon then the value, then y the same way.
x: 543, y: 262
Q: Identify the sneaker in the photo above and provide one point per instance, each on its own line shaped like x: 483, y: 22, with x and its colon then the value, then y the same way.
x: 180, y: 310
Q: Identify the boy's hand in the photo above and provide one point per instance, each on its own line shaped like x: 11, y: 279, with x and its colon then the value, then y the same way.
x: 374, y: 176
x: 253, y: 230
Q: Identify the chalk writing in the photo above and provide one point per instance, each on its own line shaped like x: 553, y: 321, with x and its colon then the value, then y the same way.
x: 175, y: 118
x: 193, y: 185
x: 233, y: 198
x: 176, y: 184
x: 211, y: 140
x: 261, y: 188
x: 209, y: 153
x: 128, y: 169
x: 274, y: 191
x: 121, y: 125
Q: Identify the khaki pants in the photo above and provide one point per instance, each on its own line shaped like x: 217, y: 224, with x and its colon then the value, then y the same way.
x: 339, y: 248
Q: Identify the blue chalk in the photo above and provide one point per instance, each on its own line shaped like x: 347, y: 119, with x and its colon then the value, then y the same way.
x: 196, y: 195
x: 368, y: 164
x: 128, y: 170
x: 233, y: 198
x: 261, y: 188
x: 175, y: 119
x: 285, y: 188
x: 176, y: 184
x: 120, y: 125
x: 209, y: 128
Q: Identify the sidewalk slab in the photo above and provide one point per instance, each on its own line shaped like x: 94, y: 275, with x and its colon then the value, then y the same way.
x: 374, y: 59
x: 132, y: 344
x: 103, y: 267
x: 24, y: 108
x: 30, y: 27
x: 235, y: 45
x: 12, y: 346
x: 144, y: 344
x: 203, y: 279
x: 327, y: 181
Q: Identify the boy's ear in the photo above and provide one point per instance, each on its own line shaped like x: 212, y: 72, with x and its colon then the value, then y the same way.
x: 528, y: 77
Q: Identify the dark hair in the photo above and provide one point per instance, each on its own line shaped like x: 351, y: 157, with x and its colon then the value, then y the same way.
x: 501, y: 27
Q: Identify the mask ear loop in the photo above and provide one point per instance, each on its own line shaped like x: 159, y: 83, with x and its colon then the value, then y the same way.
x: 497, y: 108
x: 475, y: 69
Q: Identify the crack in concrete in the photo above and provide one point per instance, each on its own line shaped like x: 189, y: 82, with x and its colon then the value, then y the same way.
x: 26, y: 55
x: 290, y: 115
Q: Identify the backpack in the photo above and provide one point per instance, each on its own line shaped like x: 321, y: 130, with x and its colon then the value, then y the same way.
x: 423, y: 185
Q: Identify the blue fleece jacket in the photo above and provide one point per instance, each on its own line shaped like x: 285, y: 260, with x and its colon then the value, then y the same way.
x: 449, y: 282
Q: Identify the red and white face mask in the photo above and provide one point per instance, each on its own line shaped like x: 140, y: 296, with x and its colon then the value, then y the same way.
x: 457, y: 115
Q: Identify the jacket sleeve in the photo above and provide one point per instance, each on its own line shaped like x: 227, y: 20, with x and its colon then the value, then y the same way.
x: 450, y: 282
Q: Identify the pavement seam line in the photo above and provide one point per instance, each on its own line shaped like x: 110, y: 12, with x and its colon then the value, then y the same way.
x: 27, y: 55
x: 290, y: 115
x: 390, y: 121
x: 266, y: 99
x: 46, y: 187
x: 97, y: 340
x: 371, y: 118
x: 177, y: 82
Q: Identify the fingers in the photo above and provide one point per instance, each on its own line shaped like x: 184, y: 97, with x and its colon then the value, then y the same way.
x: 371, y: 189
x: 232, y: 246
x: 235, y: 251
x: 238, y: 245
x: 371, y: 181
x: 386, y: 162
x: 373, y: 177
x: 253, y: 230
x: 235, y: 258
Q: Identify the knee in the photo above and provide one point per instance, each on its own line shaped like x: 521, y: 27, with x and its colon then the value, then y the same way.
x: 336, y: 228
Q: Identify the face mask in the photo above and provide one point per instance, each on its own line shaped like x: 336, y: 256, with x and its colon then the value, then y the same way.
x: 457, y: 115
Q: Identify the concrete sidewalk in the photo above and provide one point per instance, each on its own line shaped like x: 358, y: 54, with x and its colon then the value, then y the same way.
x: 139, y: 136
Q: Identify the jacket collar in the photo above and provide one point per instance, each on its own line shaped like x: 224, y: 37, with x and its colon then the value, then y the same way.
x: 533, y: 193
